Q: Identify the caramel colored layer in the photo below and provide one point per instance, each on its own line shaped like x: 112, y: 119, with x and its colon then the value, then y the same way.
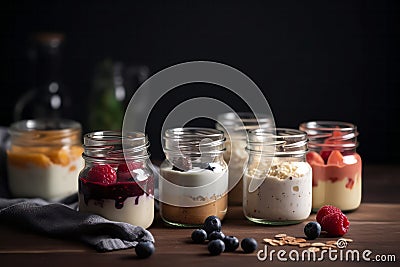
x: 194, y: 215
x: 42, y: 156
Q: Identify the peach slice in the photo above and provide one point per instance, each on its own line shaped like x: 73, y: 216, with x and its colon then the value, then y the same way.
x: 313, y: 158
x: 335, y: 158
x: 24, y: 159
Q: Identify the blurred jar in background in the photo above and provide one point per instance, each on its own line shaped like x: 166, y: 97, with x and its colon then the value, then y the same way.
x: 44, y: 158
x: 113, y: 86
x: 49, y: 98
x: 235, y: 127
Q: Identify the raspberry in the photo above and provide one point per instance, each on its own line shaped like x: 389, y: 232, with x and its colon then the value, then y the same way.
x: 102, y: 173
x: 325, y: 210
x: 123, y: 172
x: 336, y: 224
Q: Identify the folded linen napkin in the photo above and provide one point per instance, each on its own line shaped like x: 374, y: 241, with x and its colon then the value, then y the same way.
x: 60, y: 220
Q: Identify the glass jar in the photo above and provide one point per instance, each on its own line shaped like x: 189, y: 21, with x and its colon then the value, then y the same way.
x: 44, y: 158
x: 277, y: 183
x: 235, y: 127
x: 194, y: 176
x: 336, y: 165
x: 117, y: 181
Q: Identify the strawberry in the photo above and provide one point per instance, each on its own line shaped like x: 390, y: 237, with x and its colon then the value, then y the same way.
x: 325, y: 155
x: 102, y: 173
x: 325, y: 210
x: 336, y: 224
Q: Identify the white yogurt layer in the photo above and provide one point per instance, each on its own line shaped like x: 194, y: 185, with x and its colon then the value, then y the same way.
x: 50, y: 183
x: 328, y: 192
x: 140, y: 214
x: 284, y: 195
x: 192, y: 188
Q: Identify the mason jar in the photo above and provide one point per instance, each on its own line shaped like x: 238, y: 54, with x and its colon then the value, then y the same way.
x: 336, y: 165
x: 194, y: 176
x: 44, y: 158
x: 117, y: 180
x: 277, y: 185
x: 235, y: 127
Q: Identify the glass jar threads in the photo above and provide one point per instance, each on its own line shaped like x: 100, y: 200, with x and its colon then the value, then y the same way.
x: 194, y: 177
x: 117, y: 181
x: 44, y: 158
x: 336, y: 165
x: 277, y: 183
x: 235, y: 127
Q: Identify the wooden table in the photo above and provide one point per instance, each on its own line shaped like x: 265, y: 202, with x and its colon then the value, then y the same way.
x: 374, y: 226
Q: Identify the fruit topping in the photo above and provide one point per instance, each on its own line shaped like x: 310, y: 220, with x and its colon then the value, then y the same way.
x: 124, y: 171
x: 313, y: 158
x: 102, y: 173
x: 335, y: 158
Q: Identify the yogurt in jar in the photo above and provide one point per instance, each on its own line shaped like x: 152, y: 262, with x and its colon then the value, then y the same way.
x: 204, y: 194
x: 285, y: 195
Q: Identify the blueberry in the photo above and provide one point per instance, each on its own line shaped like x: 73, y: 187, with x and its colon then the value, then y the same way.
x: 144, y: 249
x: 212, y: 223
x: 199, y: 236
x: 312, y: 230
x: 231, y: 243
x: 216, y: 235
x: 216, y: 247
x: 249, y: 245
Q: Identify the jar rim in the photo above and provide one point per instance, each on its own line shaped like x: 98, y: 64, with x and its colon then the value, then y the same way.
x: 324, y: 125
x: 45, y: 125
x: 187, y: 132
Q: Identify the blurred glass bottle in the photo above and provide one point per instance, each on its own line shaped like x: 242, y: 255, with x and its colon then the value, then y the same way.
x: 113, y: 86
x: 49, y: 98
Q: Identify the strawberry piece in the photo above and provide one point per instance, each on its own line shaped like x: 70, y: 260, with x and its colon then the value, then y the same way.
x: 325, y: 210
x: 124, y: 171
x: 336, y: 224
x: 324, y: 154
x: 335, y: 158
x: 350, y: 183
x: 314, y: 158
x: 102, y: 173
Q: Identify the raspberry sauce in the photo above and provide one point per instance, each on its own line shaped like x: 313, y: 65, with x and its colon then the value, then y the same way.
x: 119, y: 192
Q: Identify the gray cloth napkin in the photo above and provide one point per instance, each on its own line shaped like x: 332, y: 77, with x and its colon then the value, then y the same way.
x: 60, y: 220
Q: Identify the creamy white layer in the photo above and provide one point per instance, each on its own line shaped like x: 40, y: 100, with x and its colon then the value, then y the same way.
x: 50, y: 183
x: 140, y: 214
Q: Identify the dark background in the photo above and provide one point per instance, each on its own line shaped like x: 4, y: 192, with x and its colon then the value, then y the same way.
x: 331, y: 60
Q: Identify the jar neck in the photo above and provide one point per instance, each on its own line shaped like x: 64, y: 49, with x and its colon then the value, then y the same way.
x: 45, y: 132
x: 331, y: 135
x: 277, y: 142
x: 113, y: 147
x: 236, y: 125
x: 187, y: 147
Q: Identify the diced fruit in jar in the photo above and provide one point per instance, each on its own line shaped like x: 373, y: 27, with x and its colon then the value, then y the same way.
x: 335, y: 158
x: 314, y: 158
